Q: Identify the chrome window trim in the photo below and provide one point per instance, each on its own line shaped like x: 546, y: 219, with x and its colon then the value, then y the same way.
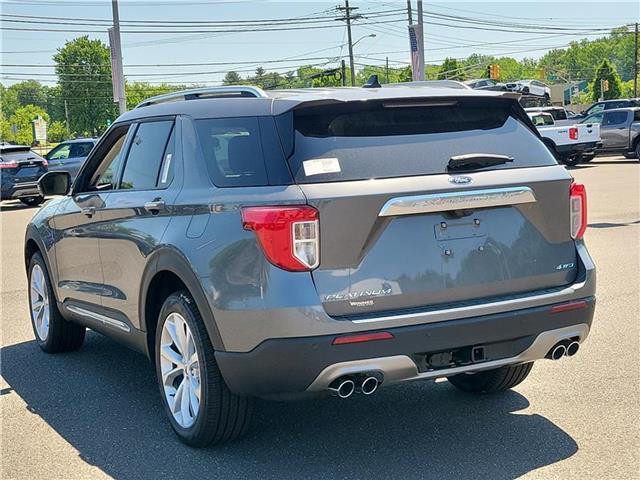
x: 442, y: 202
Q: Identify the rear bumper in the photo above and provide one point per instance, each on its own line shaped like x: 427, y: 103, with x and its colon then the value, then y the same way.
x: 577, y: 148
x: 20, y: 190
x: 308, y: 365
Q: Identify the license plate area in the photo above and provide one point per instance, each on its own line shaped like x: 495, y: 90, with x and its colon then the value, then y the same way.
x: 468, y: 227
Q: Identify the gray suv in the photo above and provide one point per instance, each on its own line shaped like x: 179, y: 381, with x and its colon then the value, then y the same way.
x: 306, y: 242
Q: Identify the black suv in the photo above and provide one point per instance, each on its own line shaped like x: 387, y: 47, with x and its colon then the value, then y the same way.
x: 20, y: 169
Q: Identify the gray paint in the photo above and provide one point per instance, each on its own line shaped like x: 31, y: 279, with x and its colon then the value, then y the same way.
x: 106, y: 259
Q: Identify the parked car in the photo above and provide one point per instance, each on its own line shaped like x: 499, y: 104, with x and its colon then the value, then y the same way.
x: 533, y: 87
x: 571, y: 144
x: 559, y: 114
x: 619, y: 129
x: 610, y: 105
x: 486, y: 84
x: 20, y: 169
x: 304, y: 242
x: 70, y: 155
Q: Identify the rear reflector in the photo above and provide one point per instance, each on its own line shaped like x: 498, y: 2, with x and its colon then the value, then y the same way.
x: 566, y: 307
x: 289, y: 235
x: 364, y: 337
x: 578, y: 210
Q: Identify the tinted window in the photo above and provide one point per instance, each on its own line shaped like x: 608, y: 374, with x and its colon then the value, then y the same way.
x: 595, y: 118
x: 612, y: 105
x: 18, y: 156
x: 365, y: 140
x: 142, y: 167
x: 614, y: 118
x: 232, y: 149
x: 558, y: 114
x: 542, y: 120
x: 105, y: 175
x: 79, y: 149
x: 636, y: 116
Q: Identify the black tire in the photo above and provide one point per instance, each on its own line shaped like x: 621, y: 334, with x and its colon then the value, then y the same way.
x: 587, y: 158
x: 222, y: 415
x: 32, y: 201
x: 492, y: 381
x: 63, y: 335
x: 630, y: 156
x: 638, y: 150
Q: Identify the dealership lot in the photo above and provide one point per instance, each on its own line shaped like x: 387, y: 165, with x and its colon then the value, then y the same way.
x: 96, y: 413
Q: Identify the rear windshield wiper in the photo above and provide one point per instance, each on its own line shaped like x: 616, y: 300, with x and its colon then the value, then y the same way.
x: 472, y: 161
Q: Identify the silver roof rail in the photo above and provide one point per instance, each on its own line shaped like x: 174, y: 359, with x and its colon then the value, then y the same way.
x: 229, y: 91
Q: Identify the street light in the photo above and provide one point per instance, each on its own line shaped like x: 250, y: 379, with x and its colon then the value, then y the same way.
x: 351, y: 64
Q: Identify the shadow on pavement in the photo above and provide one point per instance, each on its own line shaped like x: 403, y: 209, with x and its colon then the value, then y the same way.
x: 13, y: 206
x: 103, y: 400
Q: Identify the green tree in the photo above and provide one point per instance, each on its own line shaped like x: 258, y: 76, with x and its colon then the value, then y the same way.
x: 606, y: 71
x: 451, y: 70
x: 83, y: 67
x: 57, y: 132
x: 232, y: 78
x: 8, y: 101
x: 138, y: 91
x: 22, y: 119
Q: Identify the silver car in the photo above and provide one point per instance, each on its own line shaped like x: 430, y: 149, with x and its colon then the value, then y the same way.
x: 298, y: 243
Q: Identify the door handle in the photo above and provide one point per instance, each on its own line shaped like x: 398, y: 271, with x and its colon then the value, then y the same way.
x: 155, y: 206
x: 89, y: 211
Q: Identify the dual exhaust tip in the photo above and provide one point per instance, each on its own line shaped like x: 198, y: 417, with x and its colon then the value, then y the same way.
x: 344, y: 387
x: 562, y: 349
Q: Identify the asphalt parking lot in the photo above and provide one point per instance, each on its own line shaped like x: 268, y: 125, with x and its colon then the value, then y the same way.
x: 96, y: 413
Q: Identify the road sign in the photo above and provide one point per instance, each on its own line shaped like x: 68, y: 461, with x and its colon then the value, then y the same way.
x: 40, y: 130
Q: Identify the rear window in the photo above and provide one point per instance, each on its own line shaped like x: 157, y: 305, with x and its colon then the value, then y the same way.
x: 366, y: 140
x: 19, y: 156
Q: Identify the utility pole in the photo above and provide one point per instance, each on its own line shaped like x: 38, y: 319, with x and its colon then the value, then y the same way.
x: 387, y: 69
x: 116, y: 60
x: 421, y: 38
x: 66, y: 115
x: 635, y: 64
x: 409, y: 12
x: 348, y: 17
x: 343, y: 72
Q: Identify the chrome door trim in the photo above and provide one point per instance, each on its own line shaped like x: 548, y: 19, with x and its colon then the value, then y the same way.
x: 442, y: 202
x: 112, y: 322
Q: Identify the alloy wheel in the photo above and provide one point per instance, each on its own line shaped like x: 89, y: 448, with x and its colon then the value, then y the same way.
x: 180, y: 368
x: 39, y: 302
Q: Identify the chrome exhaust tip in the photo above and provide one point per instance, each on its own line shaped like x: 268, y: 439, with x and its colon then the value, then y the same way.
x: 343, y: 387
x: 558, y: 352
x: 572, y: 349
x: 369, y: 385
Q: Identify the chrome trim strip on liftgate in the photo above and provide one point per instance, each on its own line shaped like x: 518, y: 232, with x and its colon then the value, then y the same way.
x: 112, y: 322
x: 442, y: 202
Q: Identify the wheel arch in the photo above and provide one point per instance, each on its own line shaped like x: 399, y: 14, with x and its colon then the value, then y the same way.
x: 33, y: 244
x: 169, y: 271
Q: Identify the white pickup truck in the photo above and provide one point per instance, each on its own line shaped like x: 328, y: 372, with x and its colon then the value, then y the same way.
x: 571, y: 144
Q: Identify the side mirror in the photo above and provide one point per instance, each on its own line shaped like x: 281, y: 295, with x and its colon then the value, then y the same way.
x: 54, y: 183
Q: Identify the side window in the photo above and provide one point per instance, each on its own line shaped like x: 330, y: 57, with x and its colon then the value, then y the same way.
x: 636, y: 116
x: 105, y: 175
x: 598, y: 107
x: 597, y: 118
x: 145, y: 156
x: 80, y: 149
x: 60, y: 153
x: 232, y: 149
x: 561, y: 114
x: 614, y: 118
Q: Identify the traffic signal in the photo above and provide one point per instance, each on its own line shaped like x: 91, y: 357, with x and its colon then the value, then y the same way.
x: 494, y: 71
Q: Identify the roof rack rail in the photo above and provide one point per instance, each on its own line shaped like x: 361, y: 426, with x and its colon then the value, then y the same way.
x: 229, y: 91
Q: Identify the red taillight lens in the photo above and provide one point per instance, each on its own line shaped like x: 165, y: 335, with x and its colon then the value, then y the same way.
x: 289, y: 236
x: 363, y: 337
x: 10, y: 164
x: 567, y: 307
x: 578, y: 210
x: 573, y: 133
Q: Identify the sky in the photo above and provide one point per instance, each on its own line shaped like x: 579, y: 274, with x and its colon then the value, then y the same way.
x: 551, y: 24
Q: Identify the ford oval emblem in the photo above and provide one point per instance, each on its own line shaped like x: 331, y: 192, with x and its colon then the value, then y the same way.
x: 460, y: 180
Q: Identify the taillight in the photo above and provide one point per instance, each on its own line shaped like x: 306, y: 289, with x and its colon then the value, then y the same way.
x: 578, y: 210
x: 9, y: 164
x: 288, y: 235
x: 573, y: 133
x: 363, y: 337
